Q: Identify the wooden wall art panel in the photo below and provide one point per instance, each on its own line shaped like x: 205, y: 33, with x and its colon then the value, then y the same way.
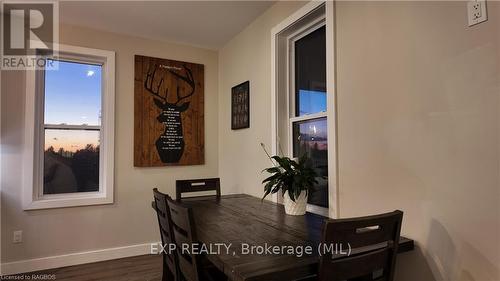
x: 168, y: 112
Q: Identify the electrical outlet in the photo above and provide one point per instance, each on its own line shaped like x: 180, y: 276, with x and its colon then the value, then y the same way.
x: 477, y: 13
x: 17, y: 237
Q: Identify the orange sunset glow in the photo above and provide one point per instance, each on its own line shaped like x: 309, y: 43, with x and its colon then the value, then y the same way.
x: 70, y: 140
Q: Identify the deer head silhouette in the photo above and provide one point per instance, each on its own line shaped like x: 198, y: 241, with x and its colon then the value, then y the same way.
x: 170, y: 144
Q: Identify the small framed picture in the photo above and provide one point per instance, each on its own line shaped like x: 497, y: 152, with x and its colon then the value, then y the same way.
x: 240, y: 106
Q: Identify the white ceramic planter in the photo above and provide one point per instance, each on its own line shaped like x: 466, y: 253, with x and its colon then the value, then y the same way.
x: 297, y: 208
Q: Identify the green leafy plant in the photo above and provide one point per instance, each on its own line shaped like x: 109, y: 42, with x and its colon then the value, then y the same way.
x: 288, y: 175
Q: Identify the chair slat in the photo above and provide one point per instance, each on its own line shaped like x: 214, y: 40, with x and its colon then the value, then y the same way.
x: 178, y: 215
x: 181, y: 238
x: 197, y: 185
x: 186, y: 267
x: 355, y: 232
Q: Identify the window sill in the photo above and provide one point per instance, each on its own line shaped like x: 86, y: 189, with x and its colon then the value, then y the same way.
x: 68, y: 200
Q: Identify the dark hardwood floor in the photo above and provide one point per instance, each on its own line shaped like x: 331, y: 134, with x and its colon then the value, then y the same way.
x: 140, y: 268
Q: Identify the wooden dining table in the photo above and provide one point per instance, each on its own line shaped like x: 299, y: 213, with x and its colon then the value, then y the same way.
x: 242, y: 221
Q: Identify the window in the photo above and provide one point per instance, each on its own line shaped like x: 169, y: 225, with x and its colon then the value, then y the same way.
x: 308, y: 120
x: 72, y: 124
x: 303, y: 97
x: 71, y: 129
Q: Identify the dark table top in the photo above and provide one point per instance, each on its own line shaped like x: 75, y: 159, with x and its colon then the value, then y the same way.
x: 243, y: 219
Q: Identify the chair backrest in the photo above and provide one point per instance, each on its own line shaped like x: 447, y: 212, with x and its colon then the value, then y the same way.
x: 166, y: 232
x: 184, y: 232
x: 374, y: 244
x: 197, y: 185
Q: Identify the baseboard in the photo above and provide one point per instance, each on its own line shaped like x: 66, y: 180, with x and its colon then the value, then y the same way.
x: 74, y: 259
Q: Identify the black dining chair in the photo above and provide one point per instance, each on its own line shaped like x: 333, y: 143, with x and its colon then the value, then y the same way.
x: 192, y: 267
x: 374, y: 244
x: 163, y: 213
x: 197, y: 186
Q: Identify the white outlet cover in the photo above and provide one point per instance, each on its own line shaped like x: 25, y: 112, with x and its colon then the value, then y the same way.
x: 476, y: 12
x: 18, y: 236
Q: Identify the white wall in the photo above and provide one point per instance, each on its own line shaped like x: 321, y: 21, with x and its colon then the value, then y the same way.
x: 248, y: 57
x: 418, y: 95
x: 418, y: 126
x: 130, y: 220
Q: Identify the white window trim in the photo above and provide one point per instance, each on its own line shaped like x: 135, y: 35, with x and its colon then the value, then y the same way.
x: 32, y: 197
x: 333, y: 182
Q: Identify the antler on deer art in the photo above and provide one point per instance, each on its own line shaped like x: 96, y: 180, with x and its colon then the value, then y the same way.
x: 188, y: 79
x: 148, y: 85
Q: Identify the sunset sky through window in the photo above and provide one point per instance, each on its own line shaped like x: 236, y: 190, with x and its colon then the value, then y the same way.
x: 311, y: 102
x: 72, y: 97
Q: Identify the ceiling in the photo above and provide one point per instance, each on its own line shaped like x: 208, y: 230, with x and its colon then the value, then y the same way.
x: 207, y: 24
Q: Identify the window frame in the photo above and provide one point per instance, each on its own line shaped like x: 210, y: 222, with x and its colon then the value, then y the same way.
x: 33, y: 197
x: 280, y: 87
x: 292, y: 95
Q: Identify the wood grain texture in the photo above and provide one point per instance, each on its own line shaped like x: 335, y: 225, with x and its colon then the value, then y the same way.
x: 240, y: 218
x: 148, y: 128
x: 140, y: 268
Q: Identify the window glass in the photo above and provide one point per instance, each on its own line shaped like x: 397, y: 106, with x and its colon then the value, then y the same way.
x: 310, y: 138
x: 71, y: 161
x: 72, y: 99
x: 73, y: 94
x: 310, y: 73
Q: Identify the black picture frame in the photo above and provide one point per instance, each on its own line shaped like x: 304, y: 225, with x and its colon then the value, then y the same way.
x: 240, y: 106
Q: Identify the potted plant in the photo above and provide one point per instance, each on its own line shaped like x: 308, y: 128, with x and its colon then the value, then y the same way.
x: 294, y: 177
